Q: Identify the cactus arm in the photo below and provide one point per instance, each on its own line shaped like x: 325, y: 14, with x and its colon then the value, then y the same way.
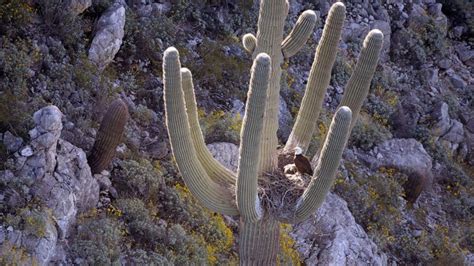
x: 325, y: 172
x: 318, y: 81
x: 109, y: 136
x: 249, y: 42
x: 271, y: 23
x: 300, y: 33
x: 216, y: 171
x: 358, y: 85
x: 249, y: 152
x: 214, y: 196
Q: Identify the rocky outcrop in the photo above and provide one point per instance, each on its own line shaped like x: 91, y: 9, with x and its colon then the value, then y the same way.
x: 332, y: 237
x: 404, y: 154
x: 78, y: 6
x: 226, y: 153
x: 56, y: 175
x: 109, y: 35
x: 408, y: 156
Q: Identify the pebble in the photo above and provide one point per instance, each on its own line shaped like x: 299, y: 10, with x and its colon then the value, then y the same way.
x: 26, y: 151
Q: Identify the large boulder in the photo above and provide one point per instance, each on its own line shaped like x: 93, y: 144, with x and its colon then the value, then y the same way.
x: 109, y: 35
x: 226, y: 153
x: 58, y: 177
x: 332, y: 237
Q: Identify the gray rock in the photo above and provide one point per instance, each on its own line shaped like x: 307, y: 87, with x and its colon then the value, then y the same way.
x: 465, y: 54
x: 108, y: 39
x: 285, y: 120
x: 59, y: 178
x: 78, y: 6
x: 457, y: 82
x: 332, y: 237
x: 11, y: 142
x: 441, y: 115
x: 455, y: 133
x: 404, y: 154
x: 384, y: 26
x: 430, y: 76
x: 226, y: 153
x: 444, y: 63
x: 26, y: 151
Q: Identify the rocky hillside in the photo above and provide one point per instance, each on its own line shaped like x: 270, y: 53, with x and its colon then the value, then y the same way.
x: 404, y: 193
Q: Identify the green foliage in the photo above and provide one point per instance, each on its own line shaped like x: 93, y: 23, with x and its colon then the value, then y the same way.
x: 11, y: 254
x: 30, y: 220
x: 138, y: 179
x: 220, y: 126
x: 367, y: 133
x: 98, y: 241
x: 15, y: 17
x: 59, y: 21
x: 141, y: 257
x: 376, y: 201
x: 16, y: 60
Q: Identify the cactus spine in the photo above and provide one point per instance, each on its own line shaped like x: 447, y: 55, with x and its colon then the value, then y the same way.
x: 109, y: 136
x: 211, y: 183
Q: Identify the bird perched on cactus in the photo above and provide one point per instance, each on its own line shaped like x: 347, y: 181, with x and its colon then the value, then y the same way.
x: 301, y: 162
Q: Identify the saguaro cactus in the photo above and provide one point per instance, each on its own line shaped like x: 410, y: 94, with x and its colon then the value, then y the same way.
x: 109, y: 136
x: 255, y: 191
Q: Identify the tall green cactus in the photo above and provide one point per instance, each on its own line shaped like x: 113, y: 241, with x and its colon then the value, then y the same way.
x: 237, y: 194
x: 109, y: 136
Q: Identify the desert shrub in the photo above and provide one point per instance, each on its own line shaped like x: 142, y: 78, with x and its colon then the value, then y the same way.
x: 138, y: 179
x: 376, y: 201
x: 141, y: 257
x: 11, y: 254
x: 366, y: 133
x: 140, y: 224
x: 59, y: 21
x: 98, y: 241
x: 16, y: 60
x: 220, y: 126
x: 15, y: 17
x: 288, y: 255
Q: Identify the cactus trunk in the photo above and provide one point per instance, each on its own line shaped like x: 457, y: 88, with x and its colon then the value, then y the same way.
x: 259, y: 242
x: 271, y: 22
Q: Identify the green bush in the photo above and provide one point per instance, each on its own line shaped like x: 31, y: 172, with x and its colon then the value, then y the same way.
x: 98, y: 241
x: 138, y: 179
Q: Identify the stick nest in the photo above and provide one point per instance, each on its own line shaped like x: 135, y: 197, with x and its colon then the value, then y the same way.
x: 280, y: 192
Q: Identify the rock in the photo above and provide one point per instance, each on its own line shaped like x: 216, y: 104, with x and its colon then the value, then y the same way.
x: 78, y: 6
x: 444, y: 63
x: 430, y: 76
x: 238, y: 108
x: 404, y: 154
x: 58, y: 177
x: 470, y: 125
x: 440, y: 113
x: 226, y: 153
x: 285, y: 121
x: 455, y: 133
x: 108, y: 39
x: 466, y: 55
x: 384, y: 26
x: 11, y: 142
x: 26, y: 151
x: 457, y: 82
x: 332, y: 237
